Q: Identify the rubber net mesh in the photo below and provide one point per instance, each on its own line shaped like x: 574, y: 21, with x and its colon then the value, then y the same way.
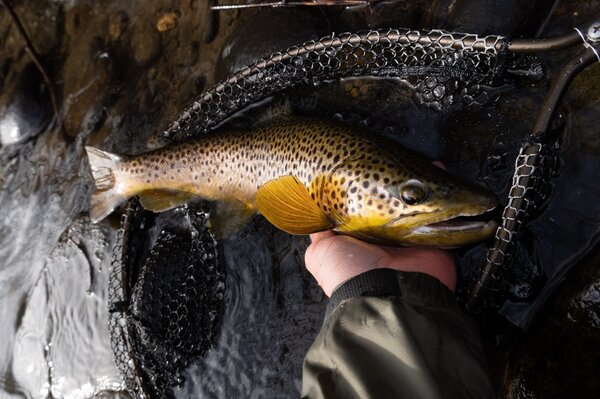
x: 529, y: 190
x: 441, y: 68
x: 165, y: 299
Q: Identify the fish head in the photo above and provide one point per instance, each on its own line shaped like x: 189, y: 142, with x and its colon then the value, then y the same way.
x: 418, y: 204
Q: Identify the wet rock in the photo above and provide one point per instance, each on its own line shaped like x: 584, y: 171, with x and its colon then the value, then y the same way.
x: 117, y: 23
x: 511, y: 18
x: 145, y: 45
x: 388, y: 14
x: 88, y: 67
x: 41, y: 22
x: 257, y: 39
x: 74, y: 18
x: 167, y: 22
x: 188, y: 53
x: 211, y: 20
x: 84, y: 107
x: 25, y: 107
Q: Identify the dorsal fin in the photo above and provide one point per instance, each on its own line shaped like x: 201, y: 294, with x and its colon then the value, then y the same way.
x: 279, y: 108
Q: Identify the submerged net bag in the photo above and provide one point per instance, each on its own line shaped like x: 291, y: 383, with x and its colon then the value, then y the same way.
x: 166, y: 297
x: 162, y: 318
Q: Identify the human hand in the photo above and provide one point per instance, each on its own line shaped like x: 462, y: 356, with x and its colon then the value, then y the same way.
x: 334, y: 259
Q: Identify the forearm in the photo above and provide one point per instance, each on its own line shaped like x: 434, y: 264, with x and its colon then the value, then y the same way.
x: 397, y: 335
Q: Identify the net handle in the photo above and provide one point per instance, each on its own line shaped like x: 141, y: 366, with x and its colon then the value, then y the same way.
x: 515, y: 210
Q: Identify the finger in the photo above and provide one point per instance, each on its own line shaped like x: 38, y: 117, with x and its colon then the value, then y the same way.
x: 316, y: 237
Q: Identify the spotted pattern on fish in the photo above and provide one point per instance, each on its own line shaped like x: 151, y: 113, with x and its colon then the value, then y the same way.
x: 339, y: 165
x: 349, y: 173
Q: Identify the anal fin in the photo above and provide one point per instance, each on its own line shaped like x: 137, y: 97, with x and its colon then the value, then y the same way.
x: 227, y: 217
x: 163, y: 200
x: 286, y: 203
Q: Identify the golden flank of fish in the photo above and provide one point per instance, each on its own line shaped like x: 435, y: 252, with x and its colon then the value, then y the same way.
x: 304, y: 175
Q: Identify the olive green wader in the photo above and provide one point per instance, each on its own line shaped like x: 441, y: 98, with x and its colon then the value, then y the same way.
x: 390, y: 334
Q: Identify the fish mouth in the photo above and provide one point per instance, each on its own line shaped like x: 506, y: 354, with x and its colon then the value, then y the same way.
x: 470, y: 222
x: 448, y: 229
x: 456, y: 225
x: 465, y: 218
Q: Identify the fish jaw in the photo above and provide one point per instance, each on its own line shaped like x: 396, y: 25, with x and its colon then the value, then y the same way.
x: 451, y: 225
x: 446, y: 236
x: 446, y: 225
x: 448, y: 233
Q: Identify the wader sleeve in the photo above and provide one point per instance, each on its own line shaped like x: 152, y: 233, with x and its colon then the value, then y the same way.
x: 391, y: 334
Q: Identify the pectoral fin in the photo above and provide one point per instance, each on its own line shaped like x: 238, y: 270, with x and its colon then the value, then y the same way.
x: 286, y: 203
x: 227, y: 217
x: 163, y: 200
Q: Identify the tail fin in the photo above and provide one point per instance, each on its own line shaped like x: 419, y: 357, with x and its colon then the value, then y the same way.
x: 106, y: 198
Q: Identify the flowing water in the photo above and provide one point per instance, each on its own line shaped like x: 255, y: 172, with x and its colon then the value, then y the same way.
x: 122, y: 72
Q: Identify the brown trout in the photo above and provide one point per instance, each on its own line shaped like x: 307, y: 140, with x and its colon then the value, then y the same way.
x: 304, y: 175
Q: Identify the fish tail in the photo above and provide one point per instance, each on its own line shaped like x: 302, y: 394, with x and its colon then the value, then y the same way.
x: 106, y: 198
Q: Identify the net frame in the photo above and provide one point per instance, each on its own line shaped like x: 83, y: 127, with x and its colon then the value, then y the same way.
x: 459, y: 65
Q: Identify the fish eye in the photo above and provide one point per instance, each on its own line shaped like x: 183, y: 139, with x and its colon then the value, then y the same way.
x: 413, y: 193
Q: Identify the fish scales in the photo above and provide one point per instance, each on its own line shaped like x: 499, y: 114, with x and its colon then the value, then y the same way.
x: 358, y: 182
x: 236, y: 164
